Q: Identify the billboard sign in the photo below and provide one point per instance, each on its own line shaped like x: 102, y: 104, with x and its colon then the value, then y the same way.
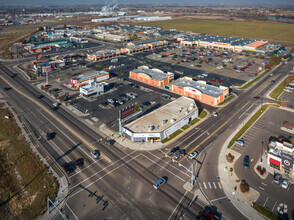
x: 39, y: 56
x: 129, y: 110
x: 287, y: 162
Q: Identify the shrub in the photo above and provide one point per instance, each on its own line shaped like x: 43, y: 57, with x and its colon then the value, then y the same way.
x: 244, y: 187
x: 230, y: 158
x: 287, y: 125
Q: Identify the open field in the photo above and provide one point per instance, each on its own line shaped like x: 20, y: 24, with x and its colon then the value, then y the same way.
x: 25, y: 182
x: 253, y: 30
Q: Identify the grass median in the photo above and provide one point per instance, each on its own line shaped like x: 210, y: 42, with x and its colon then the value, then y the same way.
x: 264, y: 211
x: 249, y: 123
x: 253, y: 81
x: 279, y: 89
x: 25, y: 182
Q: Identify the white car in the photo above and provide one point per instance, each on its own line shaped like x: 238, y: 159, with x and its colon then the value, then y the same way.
x: 95, y: 153
x: 285, y: 183
x: 110, y: 101
x: 193, y: 154
x: 204, y: 74
x: 214, y: 114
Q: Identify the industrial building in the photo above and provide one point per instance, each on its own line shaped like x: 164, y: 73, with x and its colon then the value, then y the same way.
x: 112, y: 37
x: 153, y: 77
x: 209, y: 94
x: 44, y: 46
x: 89, y: 78
x: 162, y: 122
x: 281, y: 156
x: 93, y: 89
x: 226, y: 43
x: 78, y: 40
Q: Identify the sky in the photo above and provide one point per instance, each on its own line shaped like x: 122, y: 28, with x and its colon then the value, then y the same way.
x: 162, y: 2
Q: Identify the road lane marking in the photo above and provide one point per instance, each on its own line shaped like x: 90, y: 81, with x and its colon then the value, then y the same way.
x: 219, y: 185
x: 60, y: 121
x: 204, y: 185
x: 105, y: 168
x: 84, y: 168
x: 71, y: 211
x: 195, y: 139
x: 274, y: 206
x: 264, y: 88
x: 66, y: 136
x: 261, y: 188
x: 265, y: 202
x: 189, y: 136
x: 204, y: 140
x: 162, y: 167
x: 245, y: 105
x: 246, y: 110
x: 214, y: 185
x: 209, y: 185
x: 169, y: 164
x: 218, y: 199
x: 264, y: 184
x: 178, y: 205
x: 101, y: 176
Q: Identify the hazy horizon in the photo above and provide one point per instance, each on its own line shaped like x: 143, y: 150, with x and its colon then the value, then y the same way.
x: 162, y: 2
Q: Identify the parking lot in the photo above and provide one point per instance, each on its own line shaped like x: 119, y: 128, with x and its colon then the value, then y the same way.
x: 255, y: 142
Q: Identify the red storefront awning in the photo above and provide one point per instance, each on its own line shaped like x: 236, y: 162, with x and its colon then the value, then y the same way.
x: 273, y: 161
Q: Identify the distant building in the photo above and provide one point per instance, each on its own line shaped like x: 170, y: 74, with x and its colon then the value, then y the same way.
x: 93, y: 89
x: 162, y: 122
x: 220, y: 42
x: 153, y: 77
x: 112, y: 37
x: 281, y: 156
x: 89, y: 78
x: 209, y: 94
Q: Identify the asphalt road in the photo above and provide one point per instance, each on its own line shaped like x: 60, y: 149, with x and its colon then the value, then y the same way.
x: 126, y: 181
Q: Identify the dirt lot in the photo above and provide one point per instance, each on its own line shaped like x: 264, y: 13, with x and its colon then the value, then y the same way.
x: 25, y: 182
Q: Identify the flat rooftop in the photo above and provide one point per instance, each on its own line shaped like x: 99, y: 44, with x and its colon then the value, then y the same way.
x: 91, y: 86
x: 219, y: 39
x: 203, y: 88
x: 90, y: 75
x: 155, y: 74
x: 164, y: 117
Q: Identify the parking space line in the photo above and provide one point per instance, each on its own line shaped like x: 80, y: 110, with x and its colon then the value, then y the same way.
x: 209, y: 185
x: 90, y: 184
x: 177, y: 205
x: 219, y: 185
x: 265, y: 202
x: 274, y: 206
x: 162, y: 167
x: 71, y: 211
x: 204, y: 185
x: 214, y: 185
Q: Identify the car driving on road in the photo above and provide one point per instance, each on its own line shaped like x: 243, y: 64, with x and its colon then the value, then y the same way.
x: 159, y: 182
x: 246, y: 162
x: 193, y: 155
x: 95, y: 153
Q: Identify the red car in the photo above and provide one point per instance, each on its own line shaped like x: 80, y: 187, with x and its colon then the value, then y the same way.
x: 220, y: 81
x: 256, y: 97
x: 212, y: 80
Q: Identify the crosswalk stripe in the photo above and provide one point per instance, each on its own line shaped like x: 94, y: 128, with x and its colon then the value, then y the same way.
x: 220, y: 186
x: 214, y: 185
x: 204, y: 185
x: 209, y: 185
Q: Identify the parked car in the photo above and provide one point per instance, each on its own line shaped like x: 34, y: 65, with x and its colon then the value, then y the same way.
x: 240, y: 142
x: 246, y: 162
x: 110, y: 100
x: 285, y: 183
x: 160, y: 182
x: 193, y: 154
x: 256, y: 97
x: 277, y: 178
x: 50, y: 136
x: 95, y: 153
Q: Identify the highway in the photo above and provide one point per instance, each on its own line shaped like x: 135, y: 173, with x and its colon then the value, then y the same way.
x: 123, y: 177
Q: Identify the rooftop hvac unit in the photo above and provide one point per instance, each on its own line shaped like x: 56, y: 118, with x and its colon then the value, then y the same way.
x: 173, y: 120
x: 164, y: 121
x: 186, y: 112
